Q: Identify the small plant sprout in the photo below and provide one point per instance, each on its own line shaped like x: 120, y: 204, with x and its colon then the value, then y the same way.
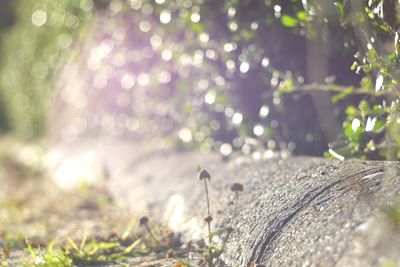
x: 209, y: 219
x: 236, y: 188
x: 144, y: 221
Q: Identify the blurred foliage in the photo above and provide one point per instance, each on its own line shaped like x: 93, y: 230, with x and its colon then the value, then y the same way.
x: 371, y: 127
x: 234, y: 73
x: 31, y: 52
x: 7, y: 18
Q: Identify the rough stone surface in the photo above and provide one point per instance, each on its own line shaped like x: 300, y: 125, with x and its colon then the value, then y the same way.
x: 294, y: 212
x: 299, y: 211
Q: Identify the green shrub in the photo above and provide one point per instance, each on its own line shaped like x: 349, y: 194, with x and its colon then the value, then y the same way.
x: 278, y: 71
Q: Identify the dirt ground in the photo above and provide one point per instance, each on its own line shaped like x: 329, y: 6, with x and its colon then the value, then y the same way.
x: 43, y: 225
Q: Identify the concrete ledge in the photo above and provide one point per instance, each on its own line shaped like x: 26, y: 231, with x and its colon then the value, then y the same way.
x: 299, y: 211
x: 294, y: 212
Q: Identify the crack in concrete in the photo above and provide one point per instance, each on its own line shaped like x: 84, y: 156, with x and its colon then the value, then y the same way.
x: 267, y: 236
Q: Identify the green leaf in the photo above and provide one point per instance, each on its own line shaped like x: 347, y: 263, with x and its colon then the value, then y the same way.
x: 302, y: 16
x: 351, y: 111
x: 247, y: 35
x: 353, y: 135
x: 377, y: 109
x: 289, y: 21
x: 340, y: 96
x: 339, y: 9
x: 366, y: 83
x: 107, y: 245
x: 364, y: 107
x: 333, y: 154
x: 198, y: 27
x: 379, y: 126
x: 355, y: 65
x: 286, y: 86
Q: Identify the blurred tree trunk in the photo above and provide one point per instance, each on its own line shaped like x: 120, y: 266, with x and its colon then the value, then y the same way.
x: 317, y: 70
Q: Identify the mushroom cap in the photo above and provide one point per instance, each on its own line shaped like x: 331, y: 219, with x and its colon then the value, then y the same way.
x: 203, y: 174
x: 208, y: 219
x: 237, y: 187
x: 143, y: 220
x: 229, y: 228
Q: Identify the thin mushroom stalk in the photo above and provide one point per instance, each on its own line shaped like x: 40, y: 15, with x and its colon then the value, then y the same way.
x: 236, y: 188
x: 208, y: 213
x: 144, y: 221
x: 208, y: 198
x: 204, y: 175
x: 150, y: 232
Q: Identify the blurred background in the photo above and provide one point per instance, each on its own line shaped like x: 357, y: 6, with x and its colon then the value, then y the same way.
x: 299, y: 77
x: 108, y: 96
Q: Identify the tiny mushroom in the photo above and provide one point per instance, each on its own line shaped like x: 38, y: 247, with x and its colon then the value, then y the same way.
x: 236, y: 187
x: 203, y: 174
x: 229, y: 228
x: 143, y: 220
x: 208, y: 219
